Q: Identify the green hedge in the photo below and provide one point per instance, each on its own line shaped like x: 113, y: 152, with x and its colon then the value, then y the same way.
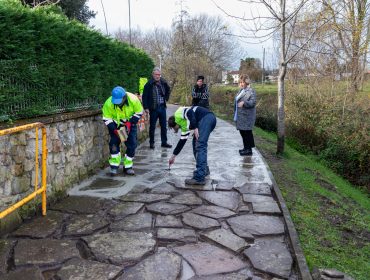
x: 50, y: 64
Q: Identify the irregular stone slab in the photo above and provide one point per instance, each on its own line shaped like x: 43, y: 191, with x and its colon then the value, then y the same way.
x: 33, y: 273
x: 163, y: 265
x: 139, y: 188
x: 259, y: 225
x: 165, y: 208
x: 224, y: 185
x: 134, y: 222
x: 244, y: 208
x: 177, y: 234
x: 165, y: 188
x: 144, y: 197
x: 228, y: 200
x: 207, y: 259
x: 271, y: 257
x: 209, y: 186
x: 187, y: 198
x: 213, y: 211
x: 255, y: 188
x: 5, y: 247
x: 122, y: 210
x: 120, y: 247
x: 44, y: 251
x: 84, y: 225
x: 41, y: 227
x: 80, y: 204
x: 76, y: 269
x: 266, y: 208
x: 257, y: 198
x: 168, y: 221
x: 244, y: 274
x: 226, y: 238
x: 198, y: 221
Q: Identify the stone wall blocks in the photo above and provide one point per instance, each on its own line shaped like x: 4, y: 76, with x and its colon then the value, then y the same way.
x: 53, y: 133
x: 19, y: 139
x: 20, y: 185
x: 62, y: 126
x: 57, y: 146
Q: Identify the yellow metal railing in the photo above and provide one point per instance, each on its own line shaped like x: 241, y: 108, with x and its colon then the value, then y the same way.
x: 42, y: 189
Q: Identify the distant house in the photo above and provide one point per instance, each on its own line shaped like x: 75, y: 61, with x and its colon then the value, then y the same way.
x: 234, y: 74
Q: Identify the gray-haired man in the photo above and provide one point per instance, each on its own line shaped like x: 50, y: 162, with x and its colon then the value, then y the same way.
x: 156, y: 93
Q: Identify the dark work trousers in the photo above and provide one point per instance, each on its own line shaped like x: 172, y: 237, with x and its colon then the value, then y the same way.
x: 248, y: 139
x: 159, y: 113
x: 206, y: 125
x: 131, y: 142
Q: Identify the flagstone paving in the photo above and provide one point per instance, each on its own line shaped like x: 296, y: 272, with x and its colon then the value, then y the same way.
x: 153, y: 226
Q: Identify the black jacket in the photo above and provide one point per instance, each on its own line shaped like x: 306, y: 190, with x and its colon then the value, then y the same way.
x: 200, y: 96
x: 149, y: 102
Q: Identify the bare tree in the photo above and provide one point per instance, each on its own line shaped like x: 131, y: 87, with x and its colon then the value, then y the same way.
x: 350, y: 20
x: 280, y: 21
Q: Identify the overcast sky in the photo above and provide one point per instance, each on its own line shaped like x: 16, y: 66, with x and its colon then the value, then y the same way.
x: 148, y: 14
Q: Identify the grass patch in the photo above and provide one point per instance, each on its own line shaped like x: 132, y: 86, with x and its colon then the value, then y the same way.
x: 331, y: 216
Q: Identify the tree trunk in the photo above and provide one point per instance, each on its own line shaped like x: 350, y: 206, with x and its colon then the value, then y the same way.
x: 281, y: 110
x: 281, y: 83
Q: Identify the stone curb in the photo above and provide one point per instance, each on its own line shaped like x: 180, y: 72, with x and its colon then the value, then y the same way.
x: 302, y: 266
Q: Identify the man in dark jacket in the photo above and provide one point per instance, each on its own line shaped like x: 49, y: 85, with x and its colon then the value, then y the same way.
x: 156, y: 93
x: 200, y: 93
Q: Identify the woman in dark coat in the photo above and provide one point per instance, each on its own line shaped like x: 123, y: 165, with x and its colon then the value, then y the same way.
x: 245, y: 114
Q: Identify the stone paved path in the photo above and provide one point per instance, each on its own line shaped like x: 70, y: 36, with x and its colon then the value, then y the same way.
x: 152, y: 226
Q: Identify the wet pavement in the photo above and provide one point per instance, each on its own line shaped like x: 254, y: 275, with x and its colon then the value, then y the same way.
x: 153, y: 226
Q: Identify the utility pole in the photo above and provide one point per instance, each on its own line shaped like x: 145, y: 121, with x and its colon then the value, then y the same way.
x: 129, y: 20
x: 105, y: 18
x: 263, y: 66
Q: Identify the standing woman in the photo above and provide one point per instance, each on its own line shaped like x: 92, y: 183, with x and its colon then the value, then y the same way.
x: 245, y: 114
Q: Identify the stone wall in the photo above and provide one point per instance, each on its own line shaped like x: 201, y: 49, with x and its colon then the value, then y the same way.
x: 77, y: 146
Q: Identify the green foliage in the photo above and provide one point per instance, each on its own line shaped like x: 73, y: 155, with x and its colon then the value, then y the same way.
x: 73, y: 9
x: 321, y: 118
x: 49, y: 64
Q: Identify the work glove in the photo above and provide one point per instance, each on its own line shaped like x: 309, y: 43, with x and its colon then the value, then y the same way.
x: 128, y: 127
x: 116, y: 132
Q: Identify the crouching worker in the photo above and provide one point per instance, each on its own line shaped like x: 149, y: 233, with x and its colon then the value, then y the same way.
x: 121, y: 112
x: 202, y: 121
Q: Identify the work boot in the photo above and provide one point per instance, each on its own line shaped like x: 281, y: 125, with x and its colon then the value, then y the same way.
x: 246, y: 152
x: 192, y: 181
x: 208, y: 171
x: 129, y: 171
x: 151, y: 146
x: 166, y: 145
x: 241, y: 150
